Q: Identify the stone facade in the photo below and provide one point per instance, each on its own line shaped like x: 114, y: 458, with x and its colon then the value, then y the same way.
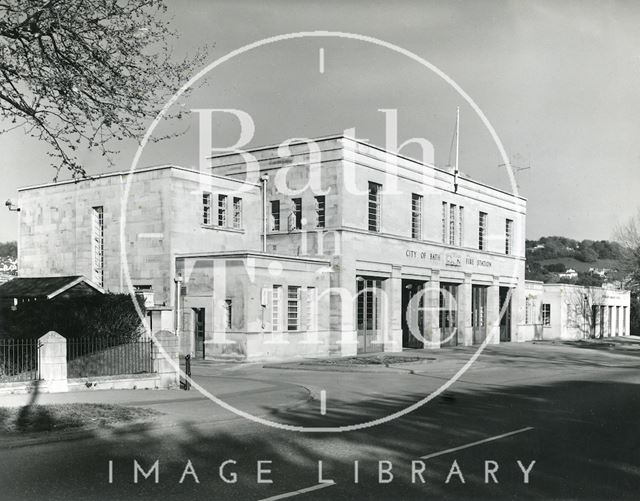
x: 390, y: 251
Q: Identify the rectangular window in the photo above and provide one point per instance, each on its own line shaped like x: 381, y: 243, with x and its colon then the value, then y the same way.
x: 546, y: 314
x: 482, y: 231
x: 508, y: 236
x: 448, y: 306
x: 452, y: 224
x: 228, y: 313
x: 374, y: 206
x: 237, y: 212
x: 293, y: 308
x: 320, y: 211
x: 416, y: 216
x: 275, y: 215
x: 295, y: 218
x: 527, y: 310
x: 222, y: 210
x: 312, y: 317
x: 206, y: 208
x: 97, y: 245
x: 276, y: 308
x: 461, y: 226
x: 444, y: 222
x: 479, y: 305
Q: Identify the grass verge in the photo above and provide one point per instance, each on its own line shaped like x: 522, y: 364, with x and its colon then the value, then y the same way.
x: 60, y: 417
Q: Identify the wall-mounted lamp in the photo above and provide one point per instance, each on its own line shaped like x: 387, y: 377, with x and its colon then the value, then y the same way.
x: 11, y: 206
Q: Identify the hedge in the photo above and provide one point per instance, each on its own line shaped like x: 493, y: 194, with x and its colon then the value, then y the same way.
x: 100, y: 315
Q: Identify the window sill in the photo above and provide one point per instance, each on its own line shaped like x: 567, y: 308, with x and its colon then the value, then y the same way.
x: 222, y: 228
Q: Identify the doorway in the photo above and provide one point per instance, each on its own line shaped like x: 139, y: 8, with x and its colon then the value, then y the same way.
x: 479, y: 313
x: 368, y: 313
x: 505, y: 318
x: 448, y: 321
x: 198, y: 331
x: 413, y: 317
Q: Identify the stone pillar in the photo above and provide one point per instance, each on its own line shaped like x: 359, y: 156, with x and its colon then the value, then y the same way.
x: 165, y: 359
x: 432, y: 310
x: 392, y: 327
x: 493, y: 312
x: 342, y: 323
x: 626, y: 318
x: 465, y: 335
x: 53, y: 362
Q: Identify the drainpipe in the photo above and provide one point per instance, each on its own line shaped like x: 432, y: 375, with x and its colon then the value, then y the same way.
x: 178, y: 282
x: 264, y: 178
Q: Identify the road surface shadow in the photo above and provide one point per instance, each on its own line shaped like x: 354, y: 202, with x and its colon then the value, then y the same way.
x: 584, y: 443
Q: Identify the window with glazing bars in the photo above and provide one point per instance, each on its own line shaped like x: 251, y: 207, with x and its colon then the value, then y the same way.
x: 320, y: 211
x: 237, y: 212
x: 275, y: 215
x: 546, y: 314
x: 206, y: 208
x: 452, y: 224
x: 296, y: 224
x: 228, y: 307
x: 374, y: 206
x: 276, y: 308
x: 482, y: 231
x: 97, y: 245
x: 416, y: 216
x: 293, y: 308
x: 508, y: 236
x: 222, y: 210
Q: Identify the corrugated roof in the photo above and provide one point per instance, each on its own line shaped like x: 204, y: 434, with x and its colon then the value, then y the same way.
x: 40, y: 286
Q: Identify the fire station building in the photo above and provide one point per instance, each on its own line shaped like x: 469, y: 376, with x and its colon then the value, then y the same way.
x: 336, y: 249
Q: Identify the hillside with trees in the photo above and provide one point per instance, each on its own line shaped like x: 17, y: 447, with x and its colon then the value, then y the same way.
x: 594, y: 261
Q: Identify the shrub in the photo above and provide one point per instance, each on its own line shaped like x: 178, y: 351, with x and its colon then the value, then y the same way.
x: 100, y: 315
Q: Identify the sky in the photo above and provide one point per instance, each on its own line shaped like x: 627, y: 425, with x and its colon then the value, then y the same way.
x: 558, y: 80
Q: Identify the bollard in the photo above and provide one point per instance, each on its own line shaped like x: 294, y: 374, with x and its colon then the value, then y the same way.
x: 187, y: 371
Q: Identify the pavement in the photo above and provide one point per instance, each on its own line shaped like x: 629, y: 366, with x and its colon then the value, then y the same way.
x: 572, y: 410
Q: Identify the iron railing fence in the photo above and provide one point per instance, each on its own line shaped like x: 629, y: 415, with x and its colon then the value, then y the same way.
x: 18, y: 360
x: 108, y: 356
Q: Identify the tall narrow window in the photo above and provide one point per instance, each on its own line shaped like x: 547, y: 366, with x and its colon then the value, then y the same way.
x: 312, y: 317
x: 276, y: 308
x: 222, y: 210
x: 295, y: 216
x: 444, y: 222
x: 527, y: 310
x: 237, y: 212
x: 228, y: 313
x: 546, y: 314
x: 461, y: 226
x: 293, y: 308
x: 452, y: 224
x: 508, y: 236
x: 416, y: 216
x: 275, y: 215
x: 482, y: 231
x: 320, y: 211
x: 374, y: 206
x: 479, y: 305
x: 97, y: 245
x: 206, y: 208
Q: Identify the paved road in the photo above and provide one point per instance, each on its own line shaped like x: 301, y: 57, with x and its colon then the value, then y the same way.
x: 573, y: 411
